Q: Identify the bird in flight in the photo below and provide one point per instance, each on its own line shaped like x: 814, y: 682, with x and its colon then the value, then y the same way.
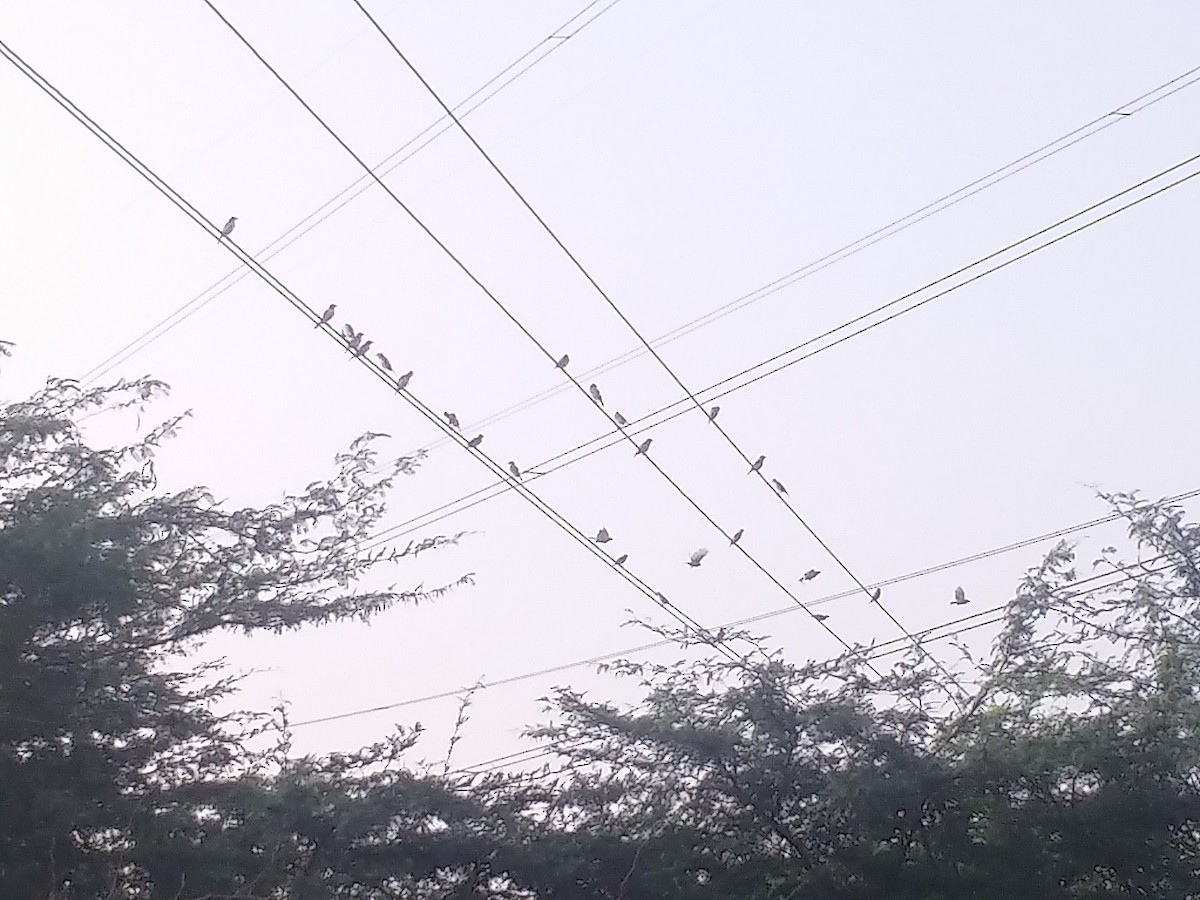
x: 475, y: 441
x: 960, y: 597
x: 228, y: 229
x: 778, y: 485
x: 810, y: 574
x: 620, y: 419
x: 712, y: 413
x: 452, y: 419
x: 596, y: 395
x: 403, y: 380
x: 327, y: 315
x: 757, y: 465
x: 697, y: 557
x: 563, y: 362
x: 516, y: 471
x: 876, y: 594
x: 737, y: 536
x: 643, y: 447
x: 384, y: 362
x: 620, y: 560
x: 602, y: 536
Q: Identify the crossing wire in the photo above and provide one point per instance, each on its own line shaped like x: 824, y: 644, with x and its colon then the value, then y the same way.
x: 466, y: 270
x: 311, y: 315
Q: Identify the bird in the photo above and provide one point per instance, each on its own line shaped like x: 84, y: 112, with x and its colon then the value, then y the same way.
x: 643, y: 447
x: 384, y: 362
x: 620, y: 560
x: 347, y: 330
x: 516, y: 472
x: 960, y: 597
x: 778, y: 485
x: 697, y: 557
x: 712, y: 413
x: 595, y: 392
x: 620, y: 419
x: 876, y: 594
x: 475, y: 441
x: 228, y: 229
x: 361, y: 349
x: 327, y: 315
x: 757, y: 465
x: 602, y: 536
x: 810, y: 574
x: 403, y: 380
x: 820, y: 617
x: 737, y: 536
x: 452, y: 419
x: 563, y: 362
x: 662, y: 598
x: 352, y: 340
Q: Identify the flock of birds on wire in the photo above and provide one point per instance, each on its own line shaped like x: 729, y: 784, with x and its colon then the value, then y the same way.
x: 359, y: 348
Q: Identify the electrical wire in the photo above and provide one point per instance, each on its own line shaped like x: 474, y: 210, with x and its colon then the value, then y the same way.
x: 311, y: 316
x: 352, y: 191
x: 466, y: 270
x: 737, y: 623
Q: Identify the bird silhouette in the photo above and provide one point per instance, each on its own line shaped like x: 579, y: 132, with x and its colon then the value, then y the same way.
x: 228, y: 229
x: 620, y: 419
x: 697, y: 557
x: 960, y: 597
x: 820, y: 617
x: 516, y: 472
x: 361, y: 349
x: 596, y: 395
x: 475, y: 441
x: 384, y: 362
x: 327, y: 315
x: 737, y: 536
x: 757, y: 465
x: 403, y: 380
x: 810, y: 574
x: 643, y: 447
x: 563, y: 362
x: 620, y: 560
x: 602, y: 536
x: 452, y: 419
x: 778, y: 485
x: 712, y: 413
x: 876, y: 594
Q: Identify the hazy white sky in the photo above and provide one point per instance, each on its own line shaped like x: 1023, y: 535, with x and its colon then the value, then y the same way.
x: 688, y: 153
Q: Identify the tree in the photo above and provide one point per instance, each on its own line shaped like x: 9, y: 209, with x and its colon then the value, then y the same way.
x: 116, y: 778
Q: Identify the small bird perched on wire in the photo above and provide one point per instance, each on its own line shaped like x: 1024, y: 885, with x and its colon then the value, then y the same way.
x: 643, y: 447
x: 563, y: 362
x: 403, y: 380
x: 778, y: 485
x: 327, y: 315
x: 452, y: 419
x: 384, y: 362
x: 757, y: 465
x: 620, y: 560
x: 361, y: 349
x: 697, y: 557
x: 820, y: 617
x: 596, y: 395
x: 620, y: 419
x: 960, y: 597
x: 602, y: 536
x: 228, y: 229
x: 515, y: 469
x: 475, y: 441
x: 712, y: 413
x: 353, y: 339
x: 876, y: 594
x: 810, y: 574
x: 737, y: 536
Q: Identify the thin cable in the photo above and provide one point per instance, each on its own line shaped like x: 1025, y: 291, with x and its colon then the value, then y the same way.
x: 737, y: 623
x: 466, y: 270
x: 311, y: 315
x: 327, y: 209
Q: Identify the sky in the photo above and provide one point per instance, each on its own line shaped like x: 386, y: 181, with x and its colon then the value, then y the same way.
x: 687, y: 154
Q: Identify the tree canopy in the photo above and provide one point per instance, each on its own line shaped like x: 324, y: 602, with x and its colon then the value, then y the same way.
x: 1065, y: 763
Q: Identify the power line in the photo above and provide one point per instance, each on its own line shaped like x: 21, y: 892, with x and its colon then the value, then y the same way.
x: 1046, y: 151
x: 311, y: 315
x: 466, y: 270
x: 677, y: 408
x: 737, y: 623
x: 352, y: 191
x: 755, y: 468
